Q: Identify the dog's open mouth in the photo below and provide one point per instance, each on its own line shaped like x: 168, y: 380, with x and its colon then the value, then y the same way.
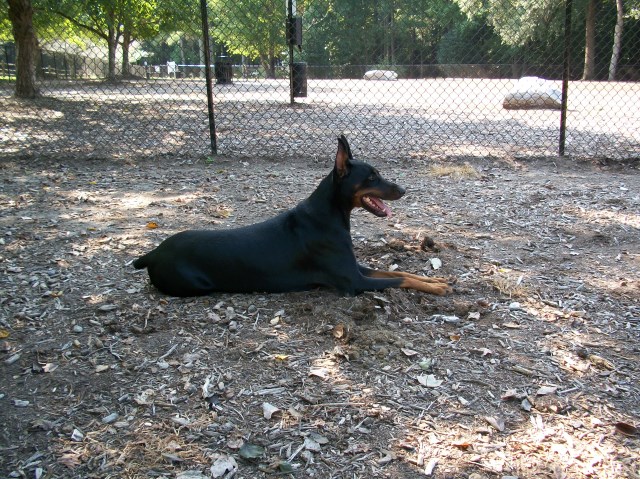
x: 376, y: 206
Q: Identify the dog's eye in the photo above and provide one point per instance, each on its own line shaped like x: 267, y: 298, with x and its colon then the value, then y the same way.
x: 372, y: 177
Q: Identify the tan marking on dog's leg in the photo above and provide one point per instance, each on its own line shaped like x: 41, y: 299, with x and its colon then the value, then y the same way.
x: 401, y: 274
x: 439, y: 289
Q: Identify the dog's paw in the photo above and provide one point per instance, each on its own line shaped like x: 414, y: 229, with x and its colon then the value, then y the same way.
x: 447, y: 290
x: 439, y: 289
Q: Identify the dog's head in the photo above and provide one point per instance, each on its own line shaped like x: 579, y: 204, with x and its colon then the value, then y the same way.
x: 360, y: 183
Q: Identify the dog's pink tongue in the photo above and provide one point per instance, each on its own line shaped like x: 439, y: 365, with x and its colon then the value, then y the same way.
x: 380, y: 204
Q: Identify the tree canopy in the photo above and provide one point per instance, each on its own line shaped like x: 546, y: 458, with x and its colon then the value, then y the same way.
x: 414, y: 36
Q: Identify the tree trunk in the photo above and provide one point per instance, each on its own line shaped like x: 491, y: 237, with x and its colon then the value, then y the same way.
x: 268, y: 62
x: 126, y: 43
x: 590, y: 42
x: 112, y: 43
x: 392, y: 40
x: 201, y: 58
x: 183, y: 58
x: 21, y: 16
x: 617, y: 41
x: 272, y: 65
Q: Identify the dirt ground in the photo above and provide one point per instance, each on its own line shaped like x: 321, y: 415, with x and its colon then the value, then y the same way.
x: 530, y: 369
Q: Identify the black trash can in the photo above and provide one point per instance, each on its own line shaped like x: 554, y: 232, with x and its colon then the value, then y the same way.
x: 299, y: 79
x: 223, y: 69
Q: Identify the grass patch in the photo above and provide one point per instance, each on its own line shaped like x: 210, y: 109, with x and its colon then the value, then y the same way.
x: 466, y: 171
x: 509, y: 286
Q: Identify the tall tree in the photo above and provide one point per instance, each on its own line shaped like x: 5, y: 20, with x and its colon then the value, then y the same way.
x: 617, y: 40
x: 255, y: 28
x: 114, y: 21
x: 517, y: 21
x: 21, y: 17
x: 139, y: 21
x: 101, y: 18
x: 588, y: 72
x: 352, y: 35
x: 180, y: 24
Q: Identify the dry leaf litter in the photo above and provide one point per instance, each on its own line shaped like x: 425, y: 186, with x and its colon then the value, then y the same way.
x: 529, y: 370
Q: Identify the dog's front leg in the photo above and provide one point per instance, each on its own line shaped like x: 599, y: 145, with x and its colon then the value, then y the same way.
x: 399, y: 279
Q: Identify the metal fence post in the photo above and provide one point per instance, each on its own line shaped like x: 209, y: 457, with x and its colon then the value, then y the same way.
x: 565, y: 76
x: 289, y: 17
x: 207, y: 75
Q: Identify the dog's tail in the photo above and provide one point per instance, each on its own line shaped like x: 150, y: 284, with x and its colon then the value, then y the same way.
x: 141, y: 262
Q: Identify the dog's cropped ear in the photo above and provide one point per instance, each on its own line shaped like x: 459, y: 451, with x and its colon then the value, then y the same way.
x: 342, y: 157
x: 343, y: 141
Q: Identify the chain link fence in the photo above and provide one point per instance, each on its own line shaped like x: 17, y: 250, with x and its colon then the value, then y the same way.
x: 416, y: 78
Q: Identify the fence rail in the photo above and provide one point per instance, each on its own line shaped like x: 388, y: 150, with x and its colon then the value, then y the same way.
x: 454, y: 106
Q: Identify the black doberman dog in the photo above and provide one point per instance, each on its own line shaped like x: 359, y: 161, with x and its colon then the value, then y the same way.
x: 300, y: 249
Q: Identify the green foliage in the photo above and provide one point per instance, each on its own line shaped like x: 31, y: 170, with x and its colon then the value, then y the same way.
x: 179, y: 33
x: 341, y: 37
x: 386, y: 32
x: 254, y: 28
x: 5, y: 29
x: 161, y: 49
x: 178, y: 16
x: 102, y: 18
x: 45, y: 24
x: 488, y: 48
x: 633, y: 11
x: 516, y: 21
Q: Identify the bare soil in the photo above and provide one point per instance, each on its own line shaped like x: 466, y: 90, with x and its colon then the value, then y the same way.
x: 530, y: 369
